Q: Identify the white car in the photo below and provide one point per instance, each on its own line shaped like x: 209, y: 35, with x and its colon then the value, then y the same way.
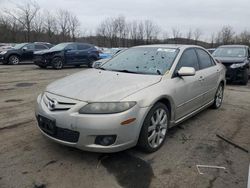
x: 133, y: 99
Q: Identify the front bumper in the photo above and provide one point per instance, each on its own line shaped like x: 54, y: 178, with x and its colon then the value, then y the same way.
x: 235, y: 74
x: 41, y: 61
x: 90, y: 126
x: 2, y: 58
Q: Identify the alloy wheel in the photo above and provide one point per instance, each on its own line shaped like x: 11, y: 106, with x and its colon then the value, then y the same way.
x: 219, y: 96
x: 14, y: 60
x: 158, y: 128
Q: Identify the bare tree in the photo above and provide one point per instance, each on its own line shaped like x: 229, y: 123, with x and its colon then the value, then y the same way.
x: 197, y: 34
x: 151, y: 31
x: 25, y: 14
x: 176, y: 32
x: 50, y: 26
x: 189, y: 35
x: 63, y: 17
x: 74, y: 25
x: 226, y: 35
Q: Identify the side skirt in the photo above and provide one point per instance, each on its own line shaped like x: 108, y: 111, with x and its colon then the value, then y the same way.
x: 173, y: 123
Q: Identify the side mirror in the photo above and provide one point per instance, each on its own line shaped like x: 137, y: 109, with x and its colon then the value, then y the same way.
x: 25, y: 48
x: 186, y: 71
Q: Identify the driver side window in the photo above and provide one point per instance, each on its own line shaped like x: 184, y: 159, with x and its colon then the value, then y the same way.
x: 188, y: 59
x: 71, y: 47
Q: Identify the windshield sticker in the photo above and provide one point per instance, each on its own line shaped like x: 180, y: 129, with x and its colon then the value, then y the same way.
x: 166, y: 50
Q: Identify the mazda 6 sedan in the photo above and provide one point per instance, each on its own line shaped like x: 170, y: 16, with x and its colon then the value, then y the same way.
x: 132, y: 99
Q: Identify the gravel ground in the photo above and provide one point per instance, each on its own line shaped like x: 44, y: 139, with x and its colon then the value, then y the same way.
x: 30, y: 160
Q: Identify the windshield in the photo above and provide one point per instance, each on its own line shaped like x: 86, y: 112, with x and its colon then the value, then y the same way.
x: 230, y: 52
x: 143, y: 60
x: 59, y: 47
x: 19, y: 46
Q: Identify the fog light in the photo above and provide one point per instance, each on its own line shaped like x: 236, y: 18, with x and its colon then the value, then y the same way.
x: 105, y: 140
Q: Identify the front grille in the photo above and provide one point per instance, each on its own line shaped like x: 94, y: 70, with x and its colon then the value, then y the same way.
x: 56, y: 103
x: 50, y: 128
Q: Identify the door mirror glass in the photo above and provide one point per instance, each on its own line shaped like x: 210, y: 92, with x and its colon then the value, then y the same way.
x: 186, y: 71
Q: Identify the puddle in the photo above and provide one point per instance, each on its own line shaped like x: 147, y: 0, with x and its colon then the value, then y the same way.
x: 130, y: 171
x: 14, y: 100
x: 24, y: 84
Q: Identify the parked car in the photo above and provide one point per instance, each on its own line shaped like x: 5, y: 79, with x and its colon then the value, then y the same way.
x: 108, y: 53
x: 211, y: 50
x: 133, y: 99
x: 20, y: 52
x: 100, y: 62
x: 49, y: 45
x: 236, y: 60
x: 66, y: 54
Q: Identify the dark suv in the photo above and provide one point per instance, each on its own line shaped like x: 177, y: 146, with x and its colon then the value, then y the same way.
x: 70, y: 53
x: 236, y: 59
x: 20, y: 52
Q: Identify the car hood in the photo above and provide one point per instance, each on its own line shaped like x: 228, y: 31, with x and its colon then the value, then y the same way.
x: 45, y: 52
x: 97, y: 85
x: 231, y: 59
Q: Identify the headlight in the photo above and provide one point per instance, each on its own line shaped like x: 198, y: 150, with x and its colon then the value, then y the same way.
x: 106, y: 107
x: 237, y: 65
x: 3, y: 52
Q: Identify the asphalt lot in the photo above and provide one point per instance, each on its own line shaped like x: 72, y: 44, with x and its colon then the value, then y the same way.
x: 30, y: 160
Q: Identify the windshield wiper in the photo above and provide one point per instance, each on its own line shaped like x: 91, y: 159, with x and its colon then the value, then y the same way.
x: 101, y: 68
x: 126, y: 71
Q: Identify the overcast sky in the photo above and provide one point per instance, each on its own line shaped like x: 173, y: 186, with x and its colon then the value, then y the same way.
x: 208, y: 15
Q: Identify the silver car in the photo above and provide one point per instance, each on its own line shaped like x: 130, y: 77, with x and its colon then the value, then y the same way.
x: 133, y: 99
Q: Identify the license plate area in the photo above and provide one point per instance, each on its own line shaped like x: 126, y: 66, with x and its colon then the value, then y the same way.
x: 47, y: 125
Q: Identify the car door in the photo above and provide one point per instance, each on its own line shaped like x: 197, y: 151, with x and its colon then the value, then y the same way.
x: 188, y: 92
x: 83, y: 52
x: 71, y: 54
x: 210, y: 75
x: 27, y: 52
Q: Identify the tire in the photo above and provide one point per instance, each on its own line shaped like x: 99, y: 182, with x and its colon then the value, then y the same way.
x: 218, y: 98
x: 245, y: 77
x: 154, y: 128
x: 57, y: 63
x: 91, y: 60
x: 77, y: 66
x: 14, y: 60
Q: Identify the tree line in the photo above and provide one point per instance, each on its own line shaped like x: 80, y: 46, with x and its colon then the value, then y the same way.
x: 27, y: 22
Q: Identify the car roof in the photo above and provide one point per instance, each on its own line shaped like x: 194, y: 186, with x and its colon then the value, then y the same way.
x: 179, y: 46
x: 235, y: 46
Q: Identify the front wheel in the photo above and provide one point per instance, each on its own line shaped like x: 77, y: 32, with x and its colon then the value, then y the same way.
x: 218, y: 97
x: 14, y: 60
x: 57, y: 63
x: 154, y: 129
x: 245, y: 77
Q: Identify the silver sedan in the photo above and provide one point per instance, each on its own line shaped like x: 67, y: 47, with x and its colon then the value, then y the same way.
x: 133, y: 99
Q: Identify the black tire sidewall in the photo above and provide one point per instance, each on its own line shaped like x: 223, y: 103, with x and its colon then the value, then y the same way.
x: 54, y: 61
x: 214, y: 106
x: 143, y: 138
x: 245, y: 77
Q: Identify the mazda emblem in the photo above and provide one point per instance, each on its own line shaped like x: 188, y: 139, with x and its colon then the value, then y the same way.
x: 52, y: 104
